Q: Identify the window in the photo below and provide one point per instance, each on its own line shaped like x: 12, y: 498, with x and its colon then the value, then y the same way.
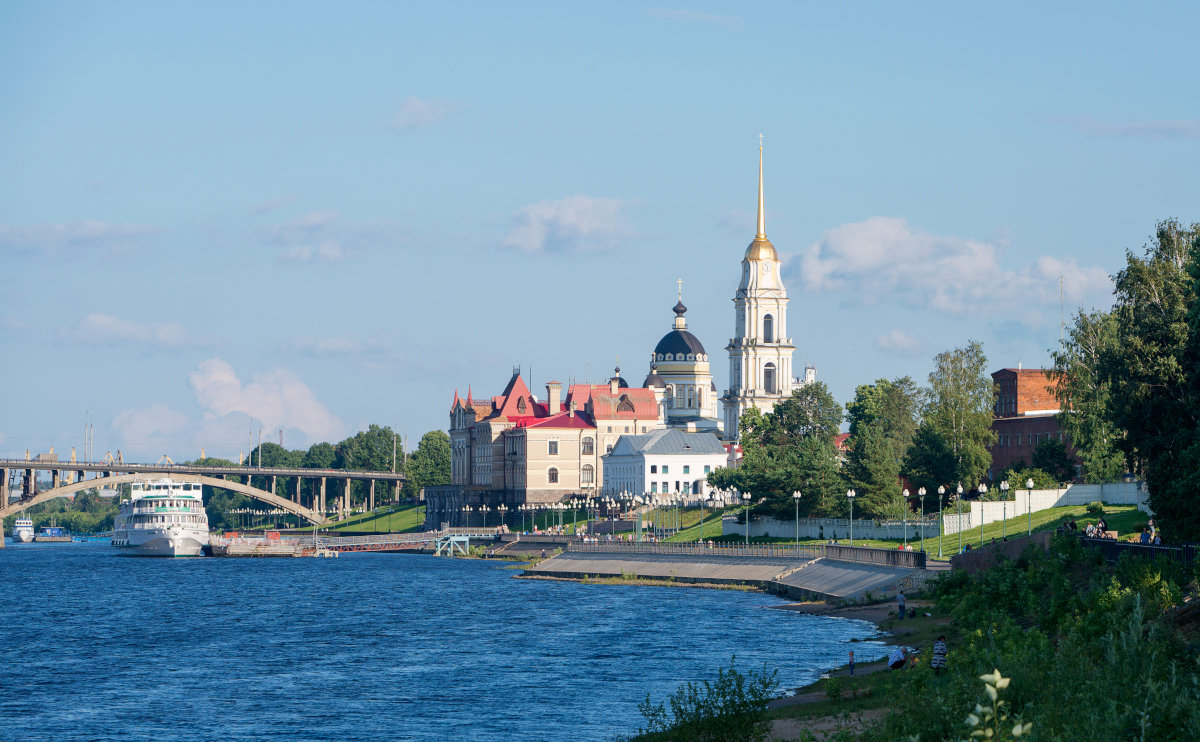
x: 654, y: 487
x: 691, y: 396
x: 666, y: 487
x: 588, y: 446
x: 769, y: 378
x: 608, y: 448
x: 665, y: 469
x: 552, y: 448
x: 610, y: 428
x: 588, y: 475
x: 769, y: 329
x: 654, y: 468
x: 687, y: 469
x: 521, y: 405
x: 707, y: 468
x: 552, y: 476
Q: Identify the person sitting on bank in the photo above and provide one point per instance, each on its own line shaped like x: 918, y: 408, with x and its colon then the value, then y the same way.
x: 896, y: 661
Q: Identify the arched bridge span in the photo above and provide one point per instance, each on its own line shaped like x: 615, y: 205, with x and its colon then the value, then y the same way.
x: 262, y: 495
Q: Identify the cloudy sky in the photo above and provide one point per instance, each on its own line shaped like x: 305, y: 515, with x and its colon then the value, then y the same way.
x: 222, y: 217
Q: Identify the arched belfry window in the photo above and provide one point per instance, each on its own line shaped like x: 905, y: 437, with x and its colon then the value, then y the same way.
x: 769, y: 378
x: 768, y: 329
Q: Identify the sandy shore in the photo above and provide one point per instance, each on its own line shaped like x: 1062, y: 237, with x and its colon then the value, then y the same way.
x: 876, y: 613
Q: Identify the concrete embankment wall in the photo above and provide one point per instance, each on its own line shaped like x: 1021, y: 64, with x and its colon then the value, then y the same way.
x: 799, y: 578
x: 1023, y: 502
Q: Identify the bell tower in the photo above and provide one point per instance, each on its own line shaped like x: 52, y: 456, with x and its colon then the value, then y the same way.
x: 760, y: 353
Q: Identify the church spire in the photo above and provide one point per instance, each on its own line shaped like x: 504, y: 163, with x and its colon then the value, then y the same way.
x: 762, y: 218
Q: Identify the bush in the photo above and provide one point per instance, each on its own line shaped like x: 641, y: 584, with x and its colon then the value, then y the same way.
x: 1095, y: 508
x: 833, y: 688
x: 730, y: 709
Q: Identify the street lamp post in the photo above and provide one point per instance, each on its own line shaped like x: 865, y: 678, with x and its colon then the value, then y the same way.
x: 850, y: 497
x: 982, y: 492
x: 958, y: 508
x: 905, y: 493
x: 941, y: 519
x: 1004, y: 510
x: 1029, y: 503
x: 796, y: 497
x: 746, y: 502
x: 921, y: 494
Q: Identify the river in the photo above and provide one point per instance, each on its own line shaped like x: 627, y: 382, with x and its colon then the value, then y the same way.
x: 101, y: 646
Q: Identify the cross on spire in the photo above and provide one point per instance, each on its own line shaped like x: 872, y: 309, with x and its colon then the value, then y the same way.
x: 679, y: 282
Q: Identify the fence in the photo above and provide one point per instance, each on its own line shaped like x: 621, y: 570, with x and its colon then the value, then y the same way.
x: 1024, y: 501
x: 833, y: 528
x: 1113, y: 550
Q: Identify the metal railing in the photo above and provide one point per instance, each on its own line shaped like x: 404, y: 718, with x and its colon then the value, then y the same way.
x: 1112, y: 550
x: 855, y: 554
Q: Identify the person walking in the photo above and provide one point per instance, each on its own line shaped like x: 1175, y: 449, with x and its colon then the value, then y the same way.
x: 900, y: 603
x: 851, y: 662
x: 939, y: 655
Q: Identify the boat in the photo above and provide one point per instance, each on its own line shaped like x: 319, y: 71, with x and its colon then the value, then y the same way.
x: 162, y: 518
x: 23, y: 530
x: 52, y: 534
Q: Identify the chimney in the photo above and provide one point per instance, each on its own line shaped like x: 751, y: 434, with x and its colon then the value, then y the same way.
x: 572, y: 412
x: 553, y: 397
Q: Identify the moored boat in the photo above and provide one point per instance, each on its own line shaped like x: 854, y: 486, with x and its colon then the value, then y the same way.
x: 162, y: 518
x: 23, y: 530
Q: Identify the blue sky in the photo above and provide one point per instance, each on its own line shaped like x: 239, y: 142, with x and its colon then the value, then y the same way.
x: 217, y: 217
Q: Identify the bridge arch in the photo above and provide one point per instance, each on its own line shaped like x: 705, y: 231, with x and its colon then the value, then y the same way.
x: 262, y: 495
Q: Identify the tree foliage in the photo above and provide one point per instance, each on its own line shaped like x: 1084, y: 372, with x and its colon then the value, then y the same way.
x: 429, y: 464
x: 883, y: 423
x: 1132, y: 377
x: 958, y: 408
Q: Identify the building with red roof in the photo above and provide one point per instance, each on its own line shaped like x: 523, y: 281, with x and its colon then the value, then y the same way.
x: 514, y: 449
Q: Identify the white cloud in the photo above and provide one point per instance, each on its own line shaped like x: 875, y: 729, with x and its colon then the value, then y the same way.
x: 277, y: 399
x: 104, y: 329
x: 272, y: 204
x: 415, y: 113
x: 87, y: 233
x: 1167, y: 129
x: 691, y: 16
x: 149, y: 427
x: 900, y: 343
x: 337, y: 346
x: 884, y: 259
x: 322, y: 236
x: 572, y: 224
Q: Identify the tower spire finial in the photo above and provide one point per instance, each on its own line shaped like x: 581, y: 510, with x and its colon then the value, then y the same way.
x: 762, y: 220
x: 679, y: 283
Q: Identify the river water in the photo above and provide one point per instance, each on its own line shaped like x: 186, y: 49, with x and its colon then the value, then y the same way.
x: 101, y: 646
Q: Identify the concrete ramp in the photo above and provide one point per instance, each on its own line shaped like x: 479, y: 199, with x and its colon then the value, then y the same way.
x: 827, y: 578
x: 714, y: 570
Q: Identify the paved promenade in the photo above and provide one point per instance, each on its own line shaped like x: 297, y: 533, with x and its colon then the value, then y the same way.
x: 799, y: 577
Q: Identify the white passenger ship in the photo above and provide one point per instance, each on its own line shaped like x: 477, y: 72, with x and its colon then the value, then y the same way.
x: 23, y: 530
x: 162, y: 518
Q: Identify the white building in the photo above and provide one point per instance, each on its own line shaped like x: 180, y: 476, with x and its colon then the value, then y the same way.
x: 663, y: 462
x: 760, y: 353
x: 679, y: 366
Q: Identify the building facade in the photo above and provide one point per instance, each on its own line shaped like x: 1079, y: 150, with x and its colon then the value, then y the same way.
x: 666, y: 462
x: 760, y: 352
x: 679, y: 366
x: 1025, y: 414
x: 513, y: 449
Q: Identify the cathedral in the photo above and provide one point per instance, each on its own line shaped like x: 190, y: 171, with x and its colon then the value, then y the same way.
x: 760, y: 352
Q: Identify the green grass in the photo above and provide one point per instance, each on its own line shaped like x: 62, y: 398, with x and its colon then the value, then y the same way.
x: 1125, y: 519
x: 386, y: 519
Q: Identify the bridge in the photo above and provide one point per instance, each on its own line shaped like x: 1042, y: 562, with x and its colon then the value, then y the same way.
x: 68, y: 477
x: 446, y: 540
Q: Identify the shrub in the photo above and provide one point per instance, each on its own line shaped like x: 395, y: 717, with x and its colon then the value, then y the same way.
x: 1095, y: 508
x: 833, y: 688
x: 732, y: 708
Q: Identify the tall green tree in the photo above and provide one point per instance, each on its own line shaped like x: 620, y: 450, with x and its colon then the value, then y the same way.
x: 430, y: 464
x: 1153, y: 372
x: 883, y: 422
x: 930, y: 463
x: 958, y: 408
x: 1084, y: 395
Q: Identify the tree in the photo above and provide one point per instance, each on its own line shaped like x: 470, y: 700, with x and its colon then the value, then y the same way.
x: 370, y: 450
x: 1152, y: 372
x: 929, y: 462
x: 883, y: 421
x: 1051, y: 457
x: 429, y: 465
x: 959, y: 406
x: 811, y: 410
x: 1084, y: 396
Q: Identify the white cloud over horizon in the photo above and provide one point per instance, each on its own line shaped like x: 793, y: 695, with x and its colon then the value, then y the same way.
x: 277, y: 399
x: 1163, y: 129
x: 572, y: 224
x: 901, y: 343
x: 884, y: 260
x: 323, y: 236
x: 105, y: 329
x: 414, y: 113
x: 88, y: 232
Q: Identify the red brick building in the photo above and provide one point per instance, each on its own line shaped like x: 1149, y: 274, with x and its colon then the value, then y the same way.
x: 1026, y: 411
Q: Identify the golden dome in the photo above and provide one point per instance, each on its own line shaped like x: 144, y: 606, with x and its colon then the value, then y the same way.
x: 761, y: 249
